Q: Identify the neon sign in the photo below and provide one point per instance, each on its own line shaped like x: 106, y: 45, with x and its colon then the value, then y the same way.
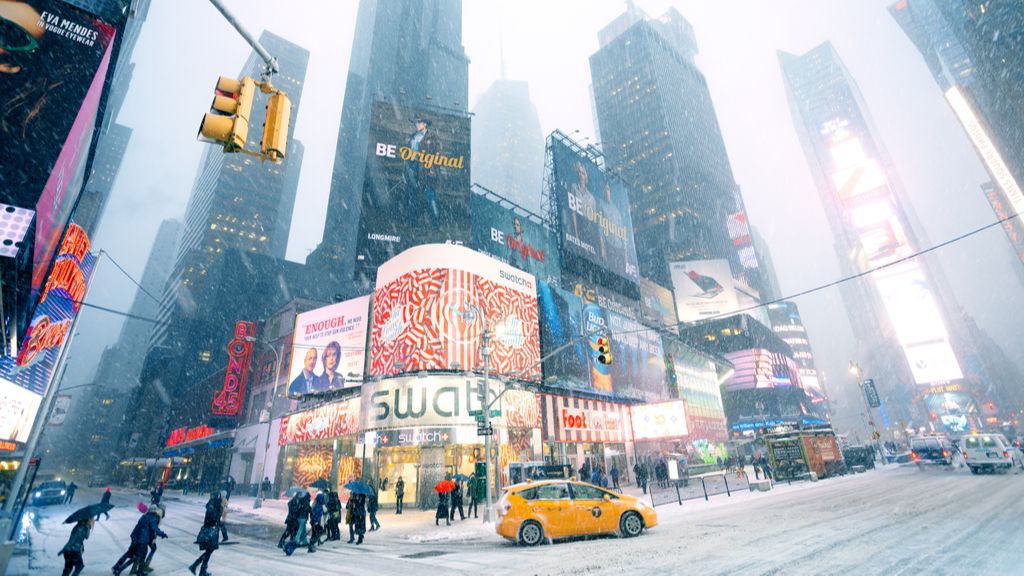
x: 228, y: 401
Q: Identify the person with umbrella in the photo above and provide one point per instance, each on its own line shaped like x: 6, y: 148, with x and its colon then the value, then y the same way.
x: 316, y: 517
x: 443, y: 488
x: 355, y: 516
x: 209, y: 535
x: 75, y: 547
x: 399, y: 494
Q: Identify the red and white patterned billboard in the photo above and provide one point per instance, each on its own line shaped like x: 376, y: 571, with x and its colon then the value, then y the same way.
x: 583, y: 420
x: 327, y: 421
x: 432, y: 304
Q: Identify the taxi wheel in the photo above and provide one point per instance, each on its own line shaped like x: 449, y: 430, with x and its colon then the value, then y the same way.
x: 531, y: 533
x: 631, y: 524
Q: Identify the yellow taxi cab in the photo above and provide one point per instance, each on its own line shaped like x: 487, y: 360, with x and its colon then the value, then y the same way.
x: 531, y: 512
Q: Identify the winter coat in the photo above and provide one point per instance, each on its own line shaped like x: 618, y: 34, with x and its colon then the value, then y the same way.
x: 442, y: 506
x: 371, y: 503
x: 317, y: 512
x: 358, y: 502
x: 304, y: 509
x: 214, y: 512
x: 147, y: 529
x: 106, y: 498
x: 333, y: 504
x: 400, y: 488
x: 456, y: 496
x: 76, y: 543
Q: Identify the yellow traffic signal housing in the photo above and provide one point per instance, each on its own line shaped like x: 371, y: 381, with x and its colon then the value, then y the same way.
x: 275, y: 128
x: 228, y: 120
x: 604, y: 353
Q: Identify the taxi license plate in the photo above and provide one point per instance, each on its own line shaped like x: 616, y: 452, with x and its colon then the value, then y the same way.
x: 993, y: 455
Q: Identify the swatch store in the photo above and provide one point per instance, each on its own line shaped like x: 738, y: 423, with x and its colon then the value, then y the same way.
x: 319, y: 443
x: 431, y: 308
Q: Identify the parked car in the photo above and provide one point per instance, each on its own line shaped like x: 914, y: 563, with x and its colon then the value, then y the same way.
x: 931, y: 450
x: 990, y: 452
x: 532, y: 512
x: 49, y: 492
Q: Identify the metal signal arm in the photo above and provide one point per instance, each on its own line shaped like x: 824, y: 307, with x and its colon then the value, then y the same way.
x: 271, y: 62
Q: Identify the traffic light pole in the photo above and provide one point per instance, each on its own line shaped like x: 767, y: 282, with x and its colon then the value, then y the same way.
x: 270, y: 60
x: 485, y: 351
x: 871, y: 421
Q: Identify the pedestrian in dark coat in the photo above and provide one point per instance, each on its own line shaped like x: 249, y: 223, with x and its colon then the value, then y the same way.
x: 371, y: 508
x: 291, y: 522
x: 146, y: 529
x: 333, y: 516
x: 75, y: 547
x: 473, y: 487
x: 152, y: 539
x: 442, y: 509
x: 229, y: 486
x: 615, y: 477
x: 359, y: 516
x: 316, y: 517
x: 208, y: 538
x: 399, y: 494
x: 456, y: 503
x: 104, y: 500
x: 305, y: 508
x: 156, y: 494
x: 70, y: 493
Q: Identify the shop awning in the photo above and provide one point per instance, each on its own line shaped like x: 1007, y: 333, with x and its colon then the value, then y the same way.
x: 218, y: 440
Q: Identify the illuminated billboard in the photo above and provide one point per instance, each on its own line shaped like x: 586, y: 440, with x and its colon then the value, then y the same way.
x: 760, y: 368
x: 417, y: 185
x: 703, y: 289
x: 228, y: 400
x: 514, y: 238
x: 661, y: 420
x: 432, y: 304
x: 637, y: 370
x: 696, y: 382
x: 329, y: 348
x: 593, y: 212
x: 872, y: 212
x: 18, y: 408
x: 657, y: 306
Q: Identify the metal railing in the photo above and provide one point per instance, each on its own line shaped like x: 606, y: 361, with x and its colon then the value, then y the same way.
x: 694, y: 487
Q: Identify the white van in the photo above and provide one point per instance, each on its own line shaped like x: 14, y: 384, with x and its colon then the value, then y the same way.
x: 989, y: 452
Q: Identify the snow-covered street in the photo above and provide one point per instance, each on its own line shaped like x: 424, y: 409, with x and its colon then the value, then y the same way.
x: 889, y: 521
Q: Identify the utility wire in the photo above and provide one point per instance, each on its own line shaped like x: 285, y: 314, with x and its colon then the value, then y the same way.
x: 134, y: 281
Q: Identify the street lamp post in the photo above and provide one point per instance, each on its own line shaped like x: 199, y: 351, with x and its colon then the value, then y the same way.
x: 856, y: 371
x: 485, y: 351
x: 260, y: 496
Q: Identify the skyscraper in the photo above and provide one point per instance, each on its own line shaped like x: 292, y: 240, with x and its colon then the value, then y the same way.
x: 904, y: 317
x: 975, y: 53
x: 508, y: 146
x: 660, y: 133
x: 408, y: 53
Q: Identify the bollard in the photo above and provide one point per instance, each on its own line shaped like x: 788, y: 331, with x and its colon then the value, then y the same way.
x: 705, y: 486
x: 725, y: 477
x: 678, y: 496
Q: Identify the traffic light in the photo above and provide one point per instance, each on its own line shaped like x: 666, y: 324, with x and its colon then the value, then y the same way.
x: 275, y: 128
x: 228, y: 120
x: 604, y: 351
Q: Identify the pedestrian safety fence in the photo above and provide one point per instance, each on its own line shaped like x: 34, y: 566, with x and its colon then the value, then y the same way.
x: 692, y: 488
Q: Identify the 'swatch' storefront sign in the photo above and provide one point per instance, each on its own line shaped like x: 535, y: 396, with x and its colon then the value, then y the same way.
x: 440, y: 400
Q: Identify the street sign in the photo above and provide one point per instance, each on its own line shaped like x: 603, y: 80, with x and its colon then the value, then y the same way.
x: 482, y: 430
x: 479, y: 414
x: 871, y: 393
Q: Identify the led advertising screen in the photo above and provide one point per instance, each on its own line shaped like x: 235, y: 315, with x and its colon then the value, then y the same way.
x: 515, y: 239
x: 661, y: 420
x: 417, y: 185
x: 593, y: 213
x: 760, y: 368
x: 18, y: 408
x: 637, y: 370
x: 696, y: 380
x: 657, y: 306
x: 329, y: 348
x: 53, y: 54
x: 703, y: 289
x: 432, y: 304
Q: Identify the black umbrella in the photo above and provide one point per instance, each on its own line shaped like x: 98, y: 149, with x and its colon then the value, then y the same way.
x: 90, y: 511
x: 320, y: 484
x: 359, y: 487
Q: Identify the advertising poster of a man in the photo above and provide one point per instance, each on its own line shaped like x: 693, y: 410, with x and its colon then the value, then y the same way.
x: 421, y: 179
x: 306, y: 381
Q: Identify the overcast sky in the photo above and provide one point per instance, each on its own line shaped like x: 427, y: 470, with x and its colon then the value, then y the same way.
x: 185, y: 45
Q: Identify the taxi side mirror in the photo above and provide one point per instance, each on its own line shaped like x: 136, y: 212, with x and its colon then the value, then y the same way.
x: 607, y: 498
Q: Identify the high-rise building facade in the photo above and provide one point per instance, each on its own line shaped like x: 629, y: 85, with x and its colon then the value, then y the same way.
x: 406, y: 53
x: 975, y: 52
x: 508, y: 146
x: 659, y: 132
x: 904, y: 317
x: 788, y: 325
